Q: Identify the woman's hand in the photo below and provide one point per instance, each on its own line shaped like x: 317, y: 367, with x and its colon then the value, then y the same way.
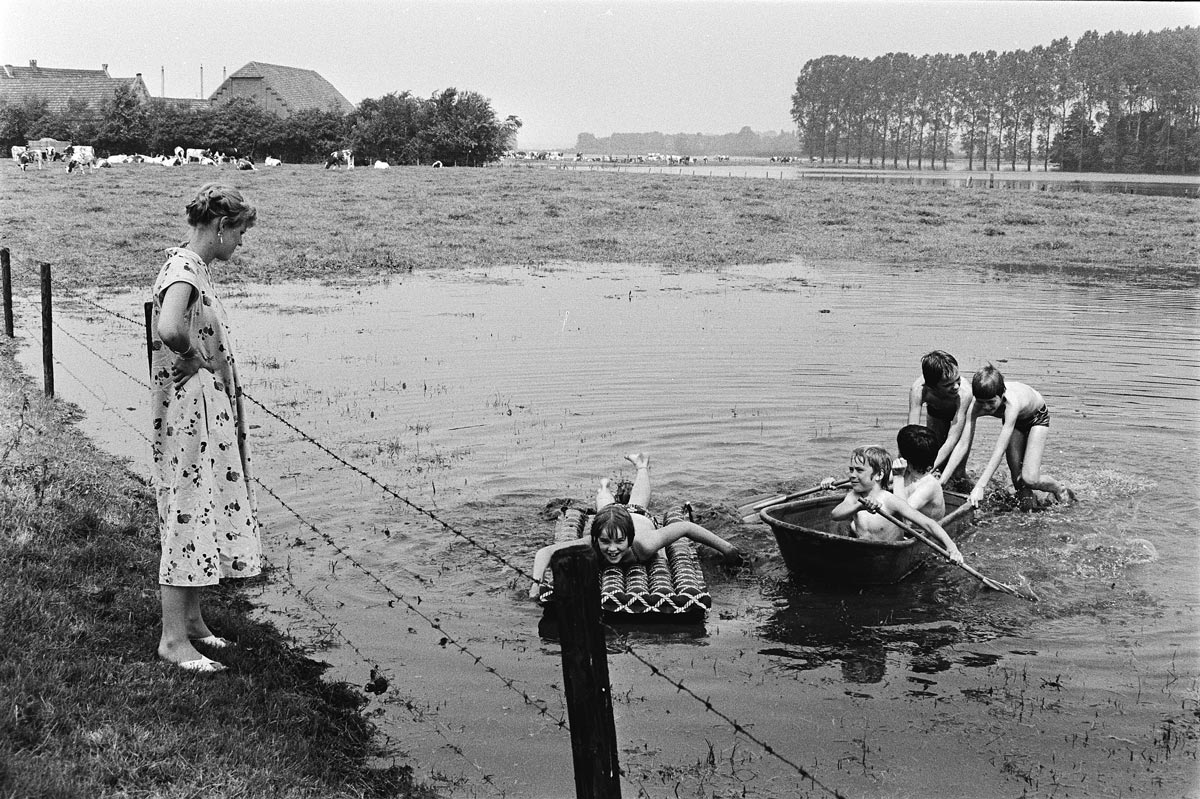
x: 184, y: 368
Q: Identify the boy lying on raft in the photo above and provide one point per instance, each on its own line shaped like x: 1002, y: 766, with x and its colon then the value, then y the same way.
x: 869, y: 467
x: 628, y: 533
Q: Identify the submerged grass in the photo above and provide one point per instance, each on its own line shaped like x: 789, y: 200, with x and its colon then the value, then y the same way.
x: 109, y: 227
x: 88, y: 710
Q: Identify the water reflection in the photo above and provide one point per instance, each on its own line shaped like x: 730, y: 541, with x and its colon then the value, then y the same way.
x: 910, y: 623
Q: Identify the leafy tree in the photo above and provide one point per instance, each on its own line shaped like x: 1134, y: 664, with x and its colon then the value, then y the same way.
x: 125, y: 124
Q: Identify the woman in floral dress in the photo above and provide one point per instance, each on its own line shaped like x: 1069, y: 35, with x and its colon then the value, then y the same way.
x: 207, y: 513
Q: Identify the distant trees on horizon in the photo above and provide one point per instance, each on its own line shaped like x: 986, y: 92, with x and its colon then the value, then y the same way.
x: 744, y: 143
x: 1115, y: 103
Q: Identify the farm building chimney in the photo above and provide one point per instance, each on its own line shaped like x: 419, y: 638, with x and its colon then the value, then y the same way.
x: 33, y: 63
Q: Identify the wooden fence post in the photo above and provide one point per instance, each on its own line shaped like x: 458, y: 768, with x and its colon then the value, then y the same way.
x: 47, y: 332
x: 585, y: 673
x: 148, y: 307
x: 6, y: 279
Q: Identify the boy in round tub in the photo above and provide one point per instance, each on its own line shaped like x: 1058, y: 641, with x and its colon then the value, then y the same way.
x: 628, y: 533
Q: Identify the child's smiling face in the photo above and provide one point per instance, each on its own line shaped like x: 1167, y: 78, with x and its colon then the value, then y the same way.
x: 990, y: 404
x: 612, y: 545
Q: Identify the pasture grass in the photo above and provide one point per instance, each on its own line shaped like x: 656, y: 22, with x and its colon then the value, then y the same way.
x: 88, y: 709
x: 108, y: 227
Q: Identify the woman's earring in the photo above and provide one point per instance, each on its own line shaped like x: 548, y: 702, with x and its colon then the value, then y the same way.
x: 220, y: 237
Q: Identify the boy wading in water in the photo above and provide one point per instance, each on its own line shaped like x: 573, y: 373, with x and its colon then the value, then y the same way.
x: 868, y: 470
x: 1025, y: 426
x: 945, y: 397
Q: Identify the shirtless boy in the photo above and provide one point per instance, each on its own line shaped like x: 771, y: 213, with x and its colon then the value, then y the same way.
x: 868, y: 469
x: 945, y: 397
x: 1025, y: 425
x: 913, y: 479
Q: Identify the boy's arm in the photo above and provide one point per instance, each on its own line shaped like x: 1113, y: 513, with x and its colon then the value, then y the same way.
x: 1009, y: 424
x: 953, y: 434
x: 915, y: 395
x: 846, y: 508
x: 901, y: 509
x: 964, y: 444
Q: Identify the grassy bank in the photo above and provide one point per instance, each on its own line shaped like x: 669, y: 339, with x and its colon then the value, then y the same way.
x: 88, y: 710
x: 110, y: 226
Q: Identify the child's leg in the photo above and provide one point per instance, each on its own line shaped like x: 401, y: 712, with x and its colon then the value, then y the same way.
x: 640, y: 493
x: 1031, y: 468
x: 604, y: 495
x: 1015, y: 455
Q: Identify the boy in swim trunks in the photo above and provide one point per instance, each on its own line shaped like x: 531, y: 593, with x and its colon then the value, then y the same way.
x: 913, y: 479
x: 869, y: 467
x: 1025, y: 425
x: 945, y: 397
x: 628, y: 533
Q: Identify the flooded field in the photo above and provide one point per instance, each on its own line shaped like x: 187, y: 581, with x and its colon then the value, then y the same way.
x: 959, y: 177
x: 487, y: 396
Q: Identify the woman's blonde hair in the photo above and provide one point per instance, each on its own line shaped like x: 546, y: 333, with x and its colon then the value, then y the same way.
x: 216, y: 200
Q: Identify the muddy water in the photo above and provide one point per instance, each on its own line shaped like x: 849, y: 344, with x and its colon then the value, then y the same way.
x: 484, y: 397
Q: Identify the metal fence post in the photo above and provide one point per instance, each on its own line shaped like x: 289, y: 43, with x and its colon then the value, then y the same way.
x: 585, y: 673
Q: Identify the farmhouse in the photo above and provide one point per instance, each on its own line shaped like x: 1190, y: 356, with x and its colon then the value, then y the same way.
x: 282, y: 90
x: 80, y: 92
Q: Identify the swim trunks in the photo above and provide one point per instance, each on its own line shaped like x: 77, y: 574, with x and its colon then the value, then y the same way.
x: 1039, y: 418
x: 641, y: 511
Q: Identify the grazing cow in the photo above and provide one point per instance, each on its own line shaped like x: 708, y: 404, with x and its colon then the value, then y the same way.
x: 194, y: 154
x: 269, y: 161
x: 179, y: 153
x: 245, y: 163
x: 382, y: 165
x: 79, y: 156
x: 340, y: 158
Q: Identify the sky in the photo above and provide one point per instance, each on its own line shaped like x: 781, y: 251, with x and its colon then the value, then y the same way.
x: 563, y: 67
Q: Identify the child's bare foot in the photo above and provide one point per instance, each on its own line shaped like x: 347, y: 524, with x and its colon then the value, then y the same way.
x: 1066, y: 496
x: 639, y: 459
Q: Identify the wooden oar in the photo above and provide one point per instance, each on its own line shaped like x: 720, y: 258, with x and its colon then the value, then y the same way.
x: 961, y: 510
x: 749, y: 513
x: 1024, y: 592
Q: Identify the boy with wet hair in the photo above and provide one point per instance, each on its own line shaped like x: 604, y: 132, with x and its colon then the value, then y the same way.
x: 1025, y: 426
x: 913, y: 479
x: 945, y: 397
x: 869, y: 468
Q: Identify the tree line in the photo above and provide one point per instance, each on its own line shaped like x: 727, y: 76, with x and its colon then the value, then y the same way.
x: 745, y: 142
x: 456, y: 128
x: 1109, y: 103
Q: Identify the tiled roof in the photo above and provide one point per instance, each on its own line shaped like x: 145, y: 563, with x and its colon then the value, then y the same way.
x: 93, y: 87
x: 297, y: 89
x: 34, y: 71
x: 187, y: 103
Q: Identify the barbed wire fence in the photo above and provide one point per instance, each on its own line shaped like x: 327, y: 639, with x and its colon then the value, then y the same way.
x: 448, y: 639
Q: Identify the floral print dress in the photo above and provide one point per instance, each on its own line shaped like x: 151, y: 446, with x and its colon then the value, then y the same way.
x: 207, y: 511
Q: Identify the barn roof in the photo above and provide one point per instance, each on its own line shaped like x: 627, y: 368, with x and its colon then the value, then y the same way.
x: 59, y: 87
x: 296, y: 89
